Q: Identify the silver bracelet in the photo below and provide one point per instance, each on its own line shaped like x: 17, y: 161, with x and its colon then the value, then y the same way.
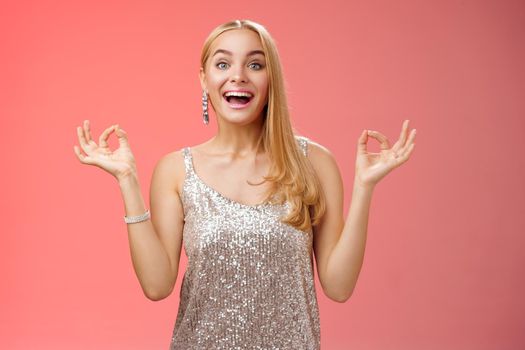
x: 138, y: 218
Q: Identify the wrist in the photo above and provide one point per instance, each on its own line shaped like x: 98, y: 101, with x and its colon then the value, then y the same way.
x: 363, y: 187
x: 128, y: 179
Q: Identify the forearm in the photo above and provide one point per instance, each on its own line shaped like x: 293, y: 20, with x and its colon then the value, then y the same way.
x: 346, y: 259
x: 149, y: 257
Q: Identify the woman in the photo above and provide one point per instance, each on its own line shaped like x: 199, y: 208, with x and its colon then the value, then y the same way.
x: 252, y: 205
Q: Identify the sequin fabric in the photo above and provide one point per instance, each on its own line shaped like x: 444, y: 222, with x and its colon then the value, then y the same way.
x: 249, y: 283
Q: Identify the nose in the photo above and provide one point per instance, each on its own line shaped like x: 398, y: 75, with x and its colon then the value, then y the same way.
x: 238, y: 75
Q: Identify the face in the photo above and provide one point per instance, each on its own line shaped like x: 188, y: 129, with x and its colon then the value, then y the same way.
x: 236, y: 77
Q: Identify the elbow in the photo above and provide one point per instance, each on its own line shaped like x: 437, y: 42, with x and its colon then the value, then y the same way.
x: 339, y: 297
x: 157, y: 295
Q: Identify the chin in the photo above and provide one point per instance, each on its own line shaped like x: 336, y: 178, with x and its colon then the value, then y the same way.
x: 242, y: 118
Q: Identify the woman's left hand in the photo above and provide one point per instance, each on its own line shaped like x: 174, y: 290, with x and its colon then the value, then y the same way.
x: 372, y: 167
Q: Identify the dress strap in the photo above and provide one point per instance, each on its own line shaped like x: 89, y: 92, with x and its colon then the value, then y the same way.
x: 188, y: 160
x: 303, y: 141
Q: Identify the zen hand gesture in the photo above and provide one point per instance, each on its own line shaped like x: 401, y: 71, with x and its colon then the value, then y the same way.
x: 372, y: 167
x: 119, y: 163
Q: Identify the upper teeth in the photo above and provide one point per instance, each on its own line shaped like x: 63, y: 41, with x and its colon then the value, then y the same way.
x: 238, y: 93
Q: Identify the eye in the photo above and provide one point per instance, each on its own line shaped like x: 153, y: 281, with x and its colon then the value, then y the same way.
x: 220, y: 65
x: 258, y: 66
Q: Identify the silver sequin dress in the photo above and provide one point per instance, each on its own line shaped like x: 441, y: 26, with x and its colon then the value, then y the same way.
x: 249, y: 283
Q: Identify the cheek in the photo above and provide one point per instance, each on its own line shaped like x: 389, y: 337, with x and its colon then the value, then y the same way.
x: 215, y: 82
x: 214, y: 87
x: 263, y: 87
x: 265, y: 92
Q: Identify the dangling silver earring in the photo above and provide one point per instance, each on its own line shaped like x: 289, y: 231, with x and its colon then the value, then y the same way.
x: 205, y: 107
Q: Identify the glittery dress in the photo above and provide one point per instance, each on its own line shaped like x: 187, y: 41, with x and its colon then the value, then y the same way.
x: 249, y: 283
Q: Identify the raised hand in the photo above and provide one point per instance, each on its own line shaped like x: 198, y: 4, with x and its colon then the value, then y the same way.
x: 372, y: 167
x: 119, y: 163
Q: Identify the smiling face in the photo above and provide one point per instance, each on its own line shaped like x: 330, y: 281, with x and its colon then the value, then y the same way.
x: 235, y: 76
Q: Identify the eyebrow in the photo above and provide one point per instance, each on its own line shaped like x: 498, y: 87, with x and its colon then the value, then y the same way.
x: 251, y: 53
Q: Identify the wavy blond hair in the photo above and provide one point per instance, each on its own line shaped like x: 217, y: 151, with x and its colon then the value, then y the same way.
x: 291, y: 174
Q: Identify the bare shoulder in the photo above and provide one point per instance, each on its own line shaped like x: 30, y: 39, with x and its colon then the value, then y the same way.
x: 171, y: 170
x: 327, y: 170
x: 321, y: 157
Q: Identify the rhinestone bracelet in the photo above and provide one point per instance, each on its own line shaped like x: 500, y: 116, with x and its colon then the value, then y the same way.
x: 138, y: 218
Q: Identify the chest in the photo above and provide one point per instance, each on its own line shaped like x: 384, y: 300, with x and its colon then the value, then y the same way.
x: 241, y: 182
x: 217, y: 226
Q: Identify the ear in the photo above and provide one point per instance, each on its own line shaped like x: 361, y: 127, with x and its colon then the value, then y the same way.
x: 202, y: 78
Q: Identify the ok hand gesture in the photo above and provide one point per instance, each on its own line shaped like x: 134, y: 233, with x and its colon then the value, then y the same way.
x: 119, y: 163
x: 372, y: 167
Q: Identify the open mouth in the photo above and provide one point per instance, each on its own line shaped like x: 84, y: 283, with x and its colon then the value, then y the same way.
x: 238, y: 99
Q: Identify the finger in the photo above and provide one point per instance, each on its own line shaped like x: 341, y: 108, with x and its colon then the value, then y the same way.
x: 86, y: 129
x: 87, y: 132
x: 83, y: 159
x: 361, y: 142
x: 402, y: 137
x: 406, y: 155
x: 122, y: 136
x: 409, y: 142
x: 103, y: 139
x: 82, y: 139
x: 383, y: 141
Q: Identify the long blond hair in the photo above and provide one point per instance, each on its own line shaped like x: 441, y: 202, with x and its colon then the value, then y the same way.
x: 291, y: 174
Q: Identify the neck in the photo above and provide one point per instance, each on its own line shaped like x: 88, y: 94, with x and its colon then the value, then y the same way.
x: 238, y: 140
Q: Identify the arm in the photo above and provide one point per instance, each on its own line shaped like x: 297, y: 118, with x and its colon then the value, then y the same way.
x: 339, y: 246
x: 346, y: 259
x: 155, y: 244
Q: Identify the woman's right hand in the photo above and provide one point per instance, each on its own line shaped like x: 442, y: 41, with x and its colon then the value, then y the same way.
x: 120, y: 163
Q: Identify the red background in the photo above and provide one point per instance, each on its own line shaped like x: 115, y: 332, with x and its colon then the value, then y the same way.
x: 444, y: 260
